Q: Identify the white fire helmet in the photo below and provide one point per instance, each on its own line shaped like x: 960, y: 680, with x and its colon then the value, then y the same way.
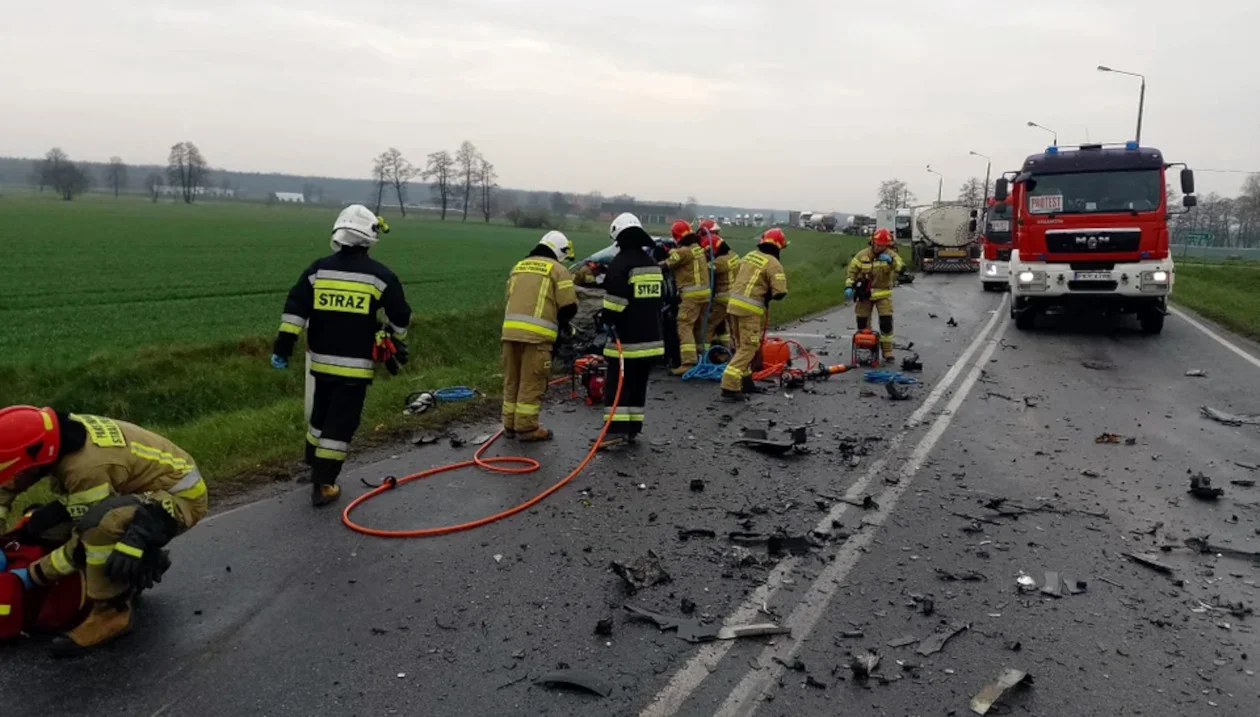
x: 623, y: 222
x: 559, y: 245
x: 357, y: 226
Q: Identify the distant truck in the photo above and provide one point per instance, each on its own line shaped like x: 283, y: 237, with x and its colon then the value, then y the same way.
x: 805, y: 219
x: 896, y: 221
x: 757, y: 220
x: 1091, y: 231
x: 995, y: 245
x: 944, y: 238
x: 822, y: 222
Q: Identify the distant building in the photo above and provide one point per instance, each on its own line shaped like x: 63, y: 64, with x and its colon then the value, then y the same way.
x: 656, y: 214
x: 168, y: 190
x: 289, y: 197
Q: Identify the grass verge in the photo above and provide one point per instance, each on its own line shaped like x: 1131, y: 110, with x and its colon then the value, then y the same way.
x: 1228, y: 295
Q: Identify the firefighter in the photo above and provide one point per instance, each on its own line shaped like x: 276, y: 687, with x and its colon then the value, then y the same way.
x: 760, y: 280
x: 690, y: 267
x: 725, y: 265
x: 123, y: 493
x: 869, y: 280
x: 336, y: 300
x: 541, y: 302
x: 634, y: 290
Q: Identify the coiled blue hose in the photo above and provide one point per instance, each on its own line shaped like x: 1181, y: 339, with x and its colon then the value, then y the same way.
x: 454, y: 393
x: 882, y: 376
x: 706, y: 370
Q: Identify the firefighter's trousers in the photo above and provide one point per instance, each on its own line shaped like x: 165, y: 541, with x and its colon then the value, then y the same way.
x: 628, y: 419
x: 335, y: 414
x: 92, y: 541
x: 526, y: 370
x: 746, y: 335
x: 884, y: 306
x: 690, y: 316
x: 719, y: 329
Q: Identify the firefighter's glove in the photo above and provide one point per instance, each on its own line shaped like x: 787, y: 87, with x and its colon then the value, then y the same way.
x: 278, y: 361
x: 38, y: 521
x: 886, y: 258
x: 385, y: 351
x: 848, y: 293
x: 25, y: 576
x: 401, y: 353
x: 130, y: 561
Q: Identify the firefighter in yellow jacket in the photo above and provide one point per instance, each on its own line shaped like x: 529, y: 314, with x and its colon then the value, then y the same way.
x: 760, y: 280
x: 869, y: 282
x: 540, y: 304
x: 725, y: 266
x: 690, y: 265
x: 123, y: 494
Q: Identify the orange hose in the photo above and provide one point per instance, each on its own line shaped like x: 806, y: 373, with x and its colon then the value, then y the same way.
x: 494, y: 464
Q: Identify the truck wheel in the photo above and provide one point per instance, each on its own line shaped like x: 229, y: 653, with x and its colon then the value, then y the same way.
x: 1026, y: 320
x: 1152, y: 322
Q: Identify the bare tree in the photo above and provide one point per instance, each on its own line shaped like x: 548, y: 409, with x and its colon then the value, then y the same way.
x: 487, y: 185
x: 379, y: 180
x: 186, y: 169
x: 972, y: 192
x: 440, y: 173
x: 397, y: 171
x: 154, y: 184
x: 116, y: 175
x: 466, y: 164
x: 892, y: 194
x: 69, y: 179
x: 560, y: 204
x: 46, y: 169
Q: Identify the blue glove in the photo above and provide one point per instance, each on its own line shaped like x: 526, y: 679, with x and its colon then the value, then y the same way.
x: 886, y: 258
x: 4, y: 562
x: 848, y: 294
x: 278, y: 361
x: 25, y: 576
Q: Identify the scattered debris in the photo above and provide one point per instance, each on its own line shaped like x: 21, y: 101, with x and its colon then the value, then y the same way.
x: 994, y: 691
x: 688, y: 606
x: 904, y: 641
x: 951, y: 323
x: 644, y: 572
x: 688, y: 533
x: 1031, y: 401
x: 935, y: 642
x: 864, y: 664
x: 1202, y: 546
x: 1197, y: 373
x: 1013, y: 645
x: 498, y: 558
x: 694, y: 631
x: 1109, y: 581
x: 897, y: 391
x: 734, y: 632
x: 1098, y: 365
x: 911, y: 363
x: 664, y: 622
x: 580, y: 679
x: 1090, y: 474
x: 480, y: 440
x: 1248, y: 466
x: 759, y: 440
x: 1201, y: 488
x: 969, y: 576
x: 697, y: 485
x: 927, y: 606
x: 796, y: 665
x: 1115, y: 439
x: 1052, y: 586
x: 1243, y: 483
x: 810, y: 681
x: 1229, y: 419
x: 853, y: 634
x: 794, y: 544
x: 1025, y: 582
x: 1149, y: 561
x: 1075, y: 587
x: 865, y: 503
x: 740, y: 537
x: 457, y: 442
x: 604, y: 627
x: 426, y: 438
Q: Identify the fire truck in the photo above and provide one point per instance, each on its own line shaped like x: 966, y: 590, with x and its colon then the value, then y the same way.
x: 995, y: 245
x: 1091, y: 232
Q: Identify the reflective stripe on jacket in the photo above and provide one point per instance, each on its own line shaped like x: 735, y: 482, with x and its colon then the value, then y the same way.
x: 536, y: 290
x: 760, y: 278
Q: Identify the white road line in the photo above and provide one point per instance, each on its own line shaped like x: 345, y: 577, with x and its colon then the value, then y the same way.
x: 744, y: 700
x: 1215, y: 336
x: 688, y: 679
x: 917, y: 417
x: 820, y: 337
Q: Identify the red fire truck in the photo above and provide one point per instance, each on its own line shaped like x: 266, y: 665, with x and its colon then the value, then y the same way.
x: 995, y: 245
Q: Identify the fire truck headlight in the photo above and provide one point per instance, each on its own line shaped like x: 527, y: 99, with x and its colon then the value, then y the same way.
x: 1027, y: 277
x: 1159, y: 276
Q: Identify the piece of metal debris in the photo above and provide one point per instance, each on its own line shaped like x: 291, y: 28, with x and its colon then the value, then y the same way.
x: 1229, y: 419
x: 1075, y: 587
x: 1201, y: 488
x: 992, y: 692
x: 898, y: 391
x: 1248, y: 466
x: 695, y: 631
x: 697, y: 485
x: 794, y: 544
x: 1025, y: 582
x: 604, y: 627
x: 968, y: 576
x: 911, y: 363
x: 689, y: 533
x: 1243, y: 483
x: 866, y: 502
x: 759, y: 440
x: 1089, y: 474
x: 735, y: 632
x: 1197, y: 373
x: 811, y: 681
x: 1149, y: 561
x: 664, y: 622
x: 1098, y: 365
x: 643, y: 572
x: 1052, y: 587
x: 852, y: 634
x: 903, y: 641
x: 688, y: 606
x: 1202, y: 546
x: 864, y: 664
x: 581, y: 679
x: 1013, y: 645
x: 935, y: 642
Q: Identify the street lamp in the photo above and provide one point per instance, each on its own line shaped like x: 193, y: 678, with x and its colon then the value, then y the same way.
x: 1141, y: 96
x: 1056, y: 134
x: 940, y: 185
x: 987, y: 167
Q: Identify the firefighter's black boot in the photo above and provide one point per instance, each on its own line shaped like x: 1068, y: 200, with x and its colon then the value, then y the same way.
x: 749, y: 387
x: 108, y: 621
x: 324, y: 493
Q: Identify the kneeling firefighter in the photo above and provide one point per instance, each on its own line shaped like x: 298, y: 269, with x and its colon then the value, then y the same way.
x: 336, y: 300
x: 690, y: 267
x: 869, y: 281
x: 541, y: 302
x: 123, y: 493
x: 760, y: 280
x: 725, y: 265
x: 634, y: 289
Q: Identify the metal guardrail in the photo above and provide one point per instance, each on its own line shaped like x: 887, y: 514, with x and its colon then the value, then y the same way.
x: 1214, y: 252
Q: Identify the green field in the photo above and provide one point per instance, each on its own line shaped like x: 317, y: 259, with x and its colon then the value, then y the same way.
x: 163, y: 314
x: 1228, y: 293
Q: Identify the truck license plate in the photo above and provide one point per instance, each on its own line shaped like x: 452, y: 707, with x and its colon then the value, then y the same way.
x: 1093, y: 276
x: 951, y: 253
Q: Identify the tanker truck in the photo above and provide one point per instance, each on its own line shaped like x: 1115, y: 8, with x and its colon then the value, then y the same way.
x: 944, y: 238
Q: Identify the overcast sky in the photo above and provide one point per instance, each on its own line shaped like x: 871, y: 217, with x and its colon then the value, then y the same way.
x: 783, y: 103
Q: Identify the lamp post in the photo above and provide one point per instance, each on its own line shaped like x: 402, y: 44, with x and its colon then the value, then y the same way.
x: 1052, y: 132
x: 1141, y: 96
x: 940, y: 185
x: 987, y: 168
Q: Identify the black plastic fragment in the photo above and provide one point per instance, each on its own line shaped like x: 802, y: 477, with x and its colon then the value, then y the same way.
x: 581, y: 679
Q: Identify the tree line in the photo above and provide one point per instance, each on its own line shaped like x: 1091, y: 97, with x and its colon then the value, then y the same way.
x: 463, y: 182
x: 1231, y: 221
x: 896, y: 194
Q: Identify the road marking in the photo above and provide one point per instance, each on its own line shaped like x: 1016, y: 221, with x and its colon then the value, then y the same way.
x: 1216, y: 337
x: 820, y: 337
x: 688, y: 679
x: 744, y: 700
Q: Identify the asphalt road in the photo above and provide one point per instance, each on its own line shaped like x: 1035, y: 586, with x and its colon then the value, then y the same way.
x: 276, y: 609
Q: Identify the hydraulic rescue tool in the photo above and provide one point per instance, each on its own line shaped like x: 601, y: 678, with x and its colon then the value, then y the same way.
x: 866, y: 350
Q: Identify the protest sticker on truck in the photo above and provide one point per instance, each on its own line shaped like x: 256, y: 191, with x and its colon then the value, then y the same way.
x: 1045, y: 204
